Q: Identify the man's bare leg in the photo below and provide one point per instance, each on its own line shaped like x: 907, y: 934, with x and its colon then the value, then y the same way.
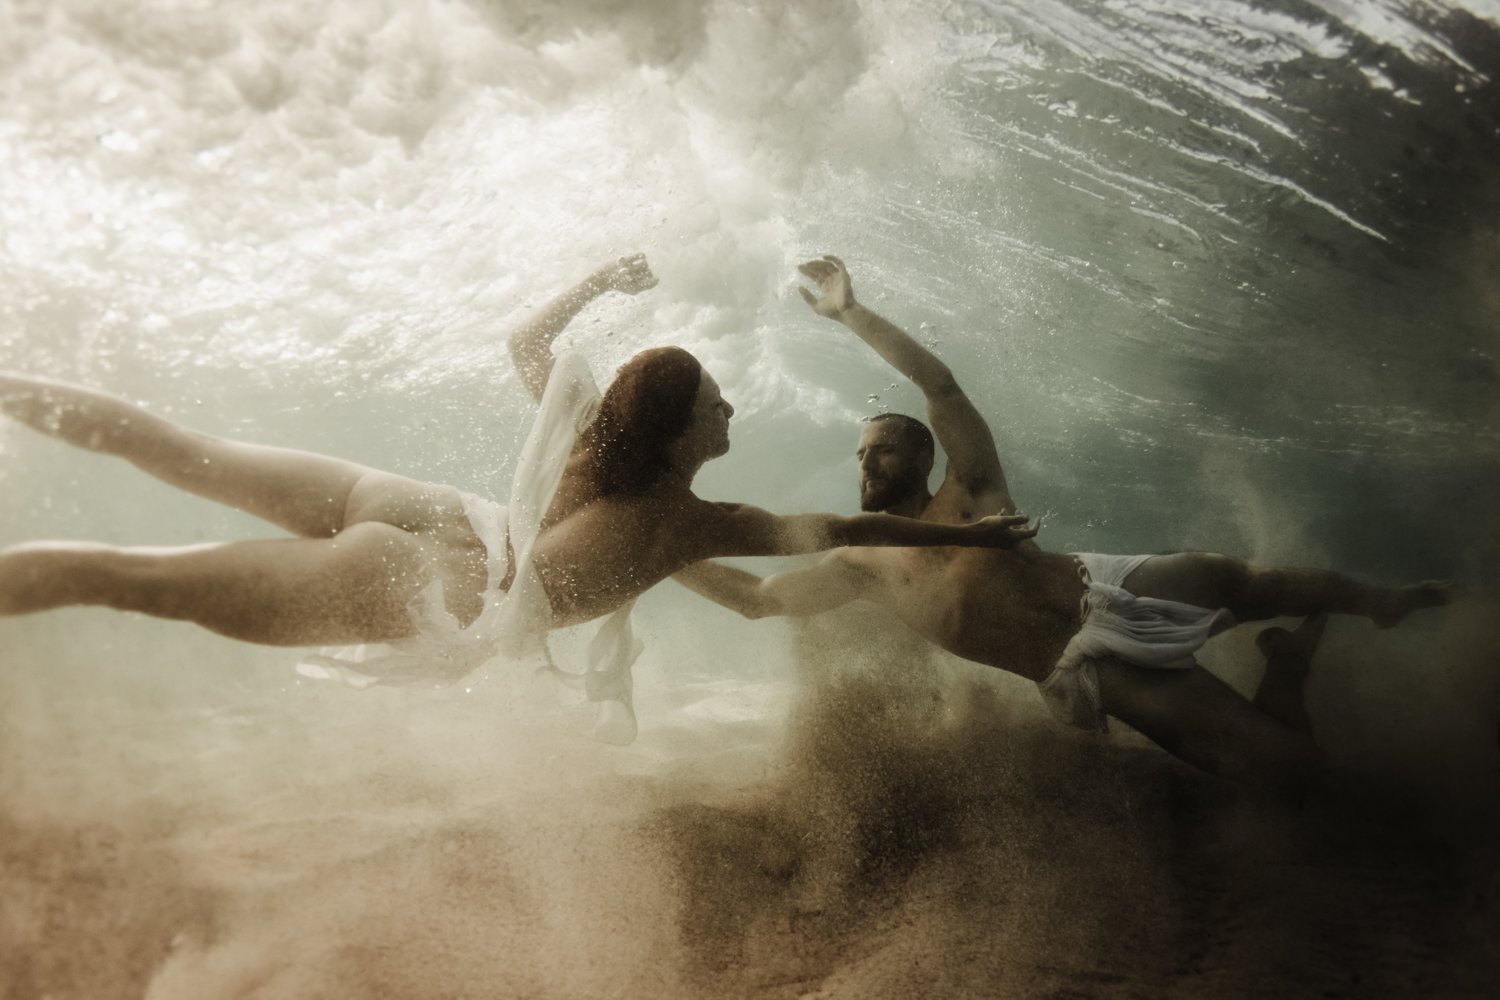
x: 1209, y: 580
x: 1201, y: 720
x: 354, y: 587
x: 1288, y: 660
x: 305, y: 493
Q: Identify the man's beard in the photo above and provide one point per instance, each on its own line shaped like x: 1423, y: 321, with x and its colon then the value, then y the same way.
x: 883, y: 494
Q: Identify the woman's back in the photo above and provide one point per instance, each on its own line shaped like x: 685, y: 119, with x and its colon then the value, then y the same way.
x: 594, y: 553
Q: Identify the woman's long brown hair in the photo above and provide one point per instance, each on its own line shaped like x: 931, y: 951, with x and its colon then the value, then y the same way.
x: 647, y: 407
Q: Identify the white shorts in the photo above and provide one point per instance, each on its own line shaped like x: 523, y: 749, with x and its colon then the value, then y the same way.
x: 1144, y: 631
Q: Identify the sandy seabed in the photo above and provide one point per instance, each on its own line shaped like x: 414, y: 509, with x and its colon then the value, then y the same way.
x: 852, y: 832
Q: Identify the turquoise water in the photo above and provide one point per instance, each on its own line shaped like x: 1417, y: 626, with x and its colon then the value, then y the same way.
x: 1220, y: 276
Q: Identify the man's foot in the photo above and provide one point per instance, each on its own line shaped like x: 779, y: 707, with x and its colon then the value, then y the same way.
x: 1298, y: 644
x: 1399, y: 602
x: 1288, y: 660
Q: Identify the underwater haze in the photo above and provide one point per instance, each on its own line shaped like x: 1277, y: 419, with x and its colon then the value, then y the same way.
x: 1220, y: 275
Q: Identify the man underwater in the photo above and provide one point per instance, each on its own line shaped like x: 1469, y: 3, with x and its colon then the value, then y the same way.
x: 1100, y: 635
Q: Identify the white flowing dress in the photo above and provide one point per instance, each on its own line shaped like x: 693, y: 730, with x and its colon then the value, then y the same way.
x: 513, y: 624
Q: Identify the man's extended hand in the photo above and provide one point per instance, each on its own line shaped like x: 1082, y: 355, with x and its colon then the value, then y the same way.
x: 835, y: 290
x: 1008, y: 530
x: 631, y: 275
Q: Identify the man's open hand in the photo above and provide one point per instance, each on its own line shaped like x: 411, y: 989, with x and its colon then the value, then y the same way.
x: 835, y: 291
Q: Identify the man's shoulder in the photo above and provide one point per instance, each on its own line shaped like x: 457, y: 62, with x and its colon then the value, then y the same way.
x: 959, y: 502
x: 863, y: 561
x: 874, y: 565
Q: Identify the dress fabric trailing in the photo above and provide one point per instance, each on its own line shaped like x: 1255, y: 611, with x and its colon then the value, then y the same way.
x: 513, y: 624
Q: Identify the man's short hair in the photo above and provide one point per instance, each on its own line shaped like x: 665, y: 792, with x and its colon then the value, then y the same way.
x: 913, y: 432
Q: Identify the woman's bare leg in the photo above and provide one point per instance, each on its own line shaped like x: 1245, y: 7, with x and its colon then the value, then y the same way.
x: 348, y: 581
x: 305, y: 493
x: 1209, y: 580
x: 354, y: 587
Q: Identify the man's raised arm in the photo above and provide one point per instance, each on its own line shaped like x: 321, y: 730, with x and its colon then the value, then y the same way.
x: 531, y: 343
x: 963, y: 433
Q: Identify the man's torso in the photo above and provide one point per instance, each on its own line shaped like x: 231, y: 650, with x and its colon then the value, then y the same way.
x: 1009, y: 608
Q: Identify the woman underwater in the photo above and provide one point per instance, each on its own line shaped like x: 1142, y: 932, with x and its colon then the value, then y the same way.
x: 601, y: 509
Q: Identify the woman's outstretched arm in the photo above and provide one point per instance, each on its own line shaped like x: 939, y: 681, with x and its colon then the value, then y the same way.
x: 531, y: 344
x: 742, y: 530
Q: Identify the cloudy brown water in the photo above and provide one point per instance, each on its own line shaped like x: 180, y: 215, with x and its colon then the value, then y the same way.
x: 1219, y: 276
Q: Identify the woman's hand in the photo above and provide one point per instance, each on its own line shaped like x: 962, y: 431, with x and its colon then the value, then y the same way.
x: 1005, y: 531
x: 630, y: 274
